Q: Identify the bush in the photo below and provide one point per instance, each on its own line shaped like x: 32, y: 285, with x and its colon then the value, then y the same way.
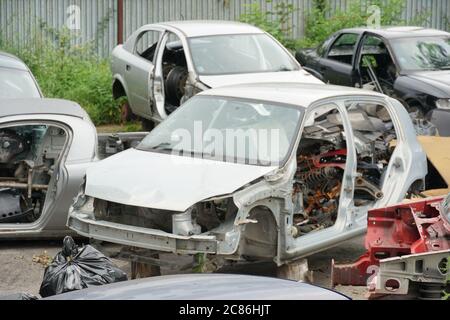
x: 277, y: 22
x: 322, y: 20
x: 67, y: 71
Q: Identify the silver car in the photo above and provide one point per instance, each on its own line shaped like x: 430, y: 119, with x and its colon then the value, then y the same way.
x: 45, y: 147
x: 162, y: 65
x: 272, y: 171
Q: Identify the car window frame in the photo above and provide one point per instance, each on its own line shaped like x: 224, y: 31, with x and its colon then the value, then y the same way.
x: 337, y: 37
x: 327, y: 44
x: 292, y: 146
x: 288, y: 53
x: 386, y: 43
x: 138, y: 37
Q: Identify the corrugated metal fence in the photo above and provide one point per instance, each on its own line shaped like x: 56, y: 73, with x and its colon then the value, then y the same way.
x: 96, y: 20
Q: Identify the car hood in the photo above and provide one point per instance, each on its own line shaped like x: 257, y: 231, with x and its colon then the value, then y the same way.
x: 165, y: 181
x: 438, y: 79
x: 300, y: 76
x: 198, y: 287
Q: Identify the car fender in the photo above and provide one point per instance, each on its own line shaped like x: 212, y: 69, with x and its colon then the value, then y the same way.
x: 409, y: 88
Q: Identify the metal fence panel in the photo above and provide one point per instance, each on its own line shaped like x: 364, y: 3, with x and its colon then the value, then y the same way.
x: 19, y: 19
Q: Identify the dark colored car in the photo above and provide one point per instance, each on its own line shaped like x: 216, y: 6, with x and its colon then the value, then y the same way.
x: 204, y: 287
x: 411, y: 64
x: 16, y: 80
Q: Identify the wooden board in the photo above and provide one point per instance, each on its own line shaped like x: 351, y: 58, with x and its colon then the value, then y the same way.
x: 438, y: 153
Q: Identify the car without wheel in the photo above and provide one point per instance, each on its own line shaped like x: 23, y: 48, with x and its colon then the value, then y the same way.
x: 411, y: 64
x: 16, y: 80
x: 45, y: 147
x: 272, y: 171
x: 162, y: 65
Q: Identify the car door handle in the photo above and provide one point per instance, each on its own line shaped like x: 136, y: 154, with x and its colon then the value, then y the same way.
x: 128, y: 67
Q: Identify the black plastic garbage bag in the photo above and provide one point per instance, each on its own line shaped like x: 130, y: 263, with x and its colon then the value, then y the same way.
x: 77, y: 268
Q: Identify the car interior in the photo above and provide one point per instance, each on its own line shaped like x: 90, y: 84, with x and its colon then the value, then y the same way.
x: 175, y: 72
x: 29, y: 159
x: 321, y: 162
x: 377, y: 69
x: 343, y: 48
x: 174, y: 65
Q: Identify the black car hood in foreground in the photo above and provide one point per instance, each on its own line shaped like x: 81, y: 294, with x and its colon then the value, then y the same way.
x: 204, y: 287
x: 439, y: 80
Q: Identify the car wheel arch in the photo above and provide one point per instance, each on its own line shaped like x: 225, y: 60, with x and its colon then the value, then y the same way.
x: 118, y: 89
x: 260, y: 236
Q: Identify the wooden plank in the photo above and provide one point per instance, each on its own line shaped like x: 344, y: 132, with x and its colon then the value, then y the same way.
x: 438, y: 153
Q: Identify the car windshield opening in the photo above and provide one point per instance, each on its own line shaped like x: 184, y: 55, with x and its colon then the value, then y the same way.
x: 422, y: 53
x: 241, y: 53
x: 17, y: 84
x: 228, y: 129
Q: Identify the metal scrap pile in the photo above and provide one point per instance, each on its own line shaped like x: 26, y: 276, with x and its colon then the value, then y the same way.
x: 408, y: 251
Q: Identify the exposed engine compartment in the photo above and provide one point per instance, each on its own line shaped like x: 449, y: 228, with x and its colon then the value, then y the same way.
x: 29, y: 156
x: 321, y: 161
x: 175, y: 74
x: 200, y: 218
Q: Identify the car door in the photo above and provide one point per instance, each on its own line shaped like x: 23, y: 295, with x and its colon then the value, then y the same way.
x: 337, y: 65
x: 311, y: 60
x: 162, y: 64
x: 139, y: 71
x: 342, y: 181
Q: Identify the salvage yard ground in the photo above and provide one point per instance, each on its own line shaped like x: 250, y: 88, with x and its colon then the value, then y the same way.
x: 18, y: 272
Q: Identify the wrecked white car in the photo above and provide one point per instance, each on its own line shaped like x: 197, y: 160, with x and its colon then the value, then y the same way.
x: 256, y: 172
x: 162, y: 65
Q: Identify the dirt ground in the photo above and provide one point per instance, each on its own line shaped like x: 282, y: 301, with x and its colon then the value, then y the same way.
x: 19, y: 274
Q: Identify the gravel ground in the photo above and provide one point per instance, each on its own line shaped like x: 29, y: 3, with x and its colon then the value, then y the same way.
x: 19, y: 273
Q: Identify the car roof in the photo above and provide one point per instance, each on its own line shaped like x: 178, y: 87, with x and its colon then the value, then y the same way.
x: 8, y: 60
x: 400, y: 32
x: 198, y: 28
x: 204, y: 287
x: 41, y: 106
x: 298, y: 94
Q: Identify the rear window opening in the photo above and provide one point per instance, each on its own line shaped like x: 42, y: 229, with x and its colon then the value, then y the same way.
x: 29, y: 163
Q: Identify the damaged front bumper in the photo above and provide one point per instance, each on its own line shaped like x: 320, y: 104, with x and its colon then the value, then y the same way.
x: 84, y: 223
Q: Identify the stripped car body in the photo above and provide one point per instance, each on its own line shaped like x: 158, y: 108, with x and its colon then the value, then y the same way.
x: 45, y: 147
x: 408, y: 249
x: 162, y: 65
x: 187, y: 204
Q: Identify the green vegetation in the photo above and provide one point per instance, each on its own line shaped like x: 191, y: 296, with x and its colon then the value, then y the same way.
x: 322, y: 20
x: 69, y: 71
x: 277, y: 22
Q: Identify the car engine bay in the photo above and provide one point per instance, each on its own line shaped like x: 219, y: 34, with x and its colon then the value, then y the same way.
x: 29, y: 156
x: 175, y: 74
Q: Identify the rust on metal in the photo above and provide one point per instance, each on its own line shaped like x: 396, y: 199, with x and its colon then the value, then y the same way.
x: 398, y: 230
